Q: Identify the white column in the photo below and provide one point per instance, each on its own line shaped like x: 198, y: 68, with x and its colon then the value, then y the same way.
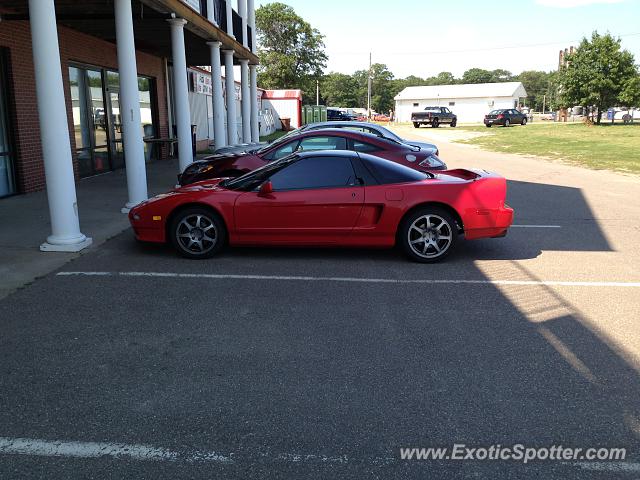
x: 217, y: 100
x: 181, y: 92
x: 229, y: 19
x: 211, y: 16
x: 54, y: 132
x: 130, y: 106
x: 242, y: 11
x: 232, y: 134
x: 251, y: 19
x: 246, y: 101
x: 253, y: 74
x: 253, y: 92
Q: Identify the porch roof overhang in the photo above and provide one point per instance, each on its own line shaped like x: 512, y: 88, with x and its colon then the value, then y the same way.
x: 151, y: 30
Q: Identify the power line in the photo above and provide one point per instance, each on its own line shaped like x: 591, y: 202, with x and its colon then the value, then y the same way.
x: 503, y: 47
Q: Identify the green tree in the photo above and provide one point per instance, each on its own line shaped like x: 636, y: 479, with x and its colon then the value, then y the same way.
x: 537, y: 84
x: 443, y: 78
x: 383, y: 88
x: 339, y: 90
x: 480, y: 75
x: 598, y: 73
x: 291, y: 52
x: 477, y: 75
x: 630, y: 95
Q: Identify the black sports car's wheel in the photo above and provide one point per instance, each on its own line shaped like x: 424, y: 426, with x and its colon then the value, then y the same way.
x: 416, y: 125
x: 454, y: 122
x: 435, y: 123
x: 507, y: 123
x: 524, y: 121
x: 428, y: 234
x: 197, y: 232
x: 488, y: 125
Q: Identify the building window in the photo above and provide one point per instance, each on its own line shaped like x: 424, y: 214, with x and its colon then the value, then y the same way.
x: 416, y: 104
x: 95, y: 97
x: 7, y: 181
x: 452, y: 104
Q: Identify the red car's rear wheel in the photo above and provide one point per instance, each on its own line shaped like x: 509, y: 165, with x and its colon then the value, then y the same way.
x: 197, y: 232
x: 428, y: 234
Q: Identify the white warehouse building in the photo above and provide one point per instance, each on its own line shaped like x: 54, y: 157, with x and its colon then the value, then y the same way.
x: 470, y: 102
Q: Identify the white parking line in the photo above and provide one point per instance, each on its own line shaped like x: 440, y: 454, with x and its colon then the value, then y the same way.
x: 57, y: 448
x: 214, y: 276
x: 536, y: 226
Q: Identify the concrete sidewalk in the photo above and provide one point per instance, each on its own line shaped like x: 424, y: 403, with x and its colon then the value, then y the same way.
x: 25, y: 222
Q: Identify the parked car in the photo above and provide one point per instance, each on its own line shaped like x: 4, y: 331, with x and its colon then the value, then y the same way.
x: 333, y: 139
x: 381, y: 117
x: 434, y: 116
x: 372, y: 128
x: 329, y: 198
x: 239, y: 147
x: 333, y: 114
x: 505, y: 116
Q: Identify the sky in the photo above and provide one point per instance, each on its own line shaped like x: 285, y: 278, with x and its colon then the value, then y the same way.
x: 425, y: 37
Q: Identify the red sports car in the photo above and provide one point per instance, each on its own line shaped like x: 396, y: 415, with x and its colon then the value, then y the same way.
x: 329, y: 198
x: 234, y: 165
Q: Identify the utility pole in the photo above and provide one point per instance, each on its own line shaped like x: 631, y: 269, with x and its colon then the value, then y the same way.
x: 317, y: 92
x: 544, y: 102
x: 369, y: 89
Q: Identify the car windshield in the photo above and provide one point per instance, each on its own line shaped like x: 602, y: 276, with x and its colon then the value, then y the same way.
x: 278, y: 141
x: 251, y: 180
x: 495, y: 112
x: 386, y: 133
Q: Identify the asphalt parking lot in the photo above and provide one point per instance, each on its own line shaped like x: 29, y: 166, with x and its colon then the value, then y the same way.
x: 130, y: 362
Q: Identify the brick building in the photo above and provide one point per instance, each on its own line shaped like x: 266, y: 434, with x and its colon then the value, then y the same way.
x: 89, y: 87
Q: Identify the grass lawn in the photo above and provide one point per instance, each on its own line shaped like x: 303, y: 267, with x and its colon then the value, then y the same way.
x: 273, y: 136
x: 613, y: 147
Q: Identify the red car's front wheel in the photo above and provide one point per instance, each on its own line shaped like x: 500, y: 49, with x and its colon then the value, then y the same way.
x: 197, y: 232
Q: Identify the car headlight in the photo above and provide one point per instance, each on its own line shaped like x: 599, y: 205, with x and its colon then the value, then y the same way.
x: 431, y: 161
x: 198, y: 168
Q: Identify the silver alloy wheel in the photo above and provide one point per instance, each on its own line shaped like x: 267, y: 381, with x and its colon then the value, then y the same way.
x: 430, y: 236
x: 197, y: 234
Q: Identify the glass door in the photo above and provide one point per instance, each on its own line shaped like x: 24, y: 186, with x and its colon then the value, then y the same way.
x: 7, y: 184
x: 89, y: 121
x: 116, y: 147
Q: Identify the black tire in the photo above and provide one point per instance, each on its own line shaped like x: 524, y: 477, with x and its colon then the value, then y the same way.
x: 507, y: 123
x: 416, y: 125
x: 488, y: 125
x: 524, y: 122
x: 454, y: 122
x: 200, y: 221
x: 442, y: 224
x: 435, y: 123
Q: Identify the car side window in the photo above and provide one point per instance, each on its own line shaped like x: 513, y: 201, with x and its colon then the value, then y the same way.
x: 372, y: 131
x: 365, y: 147
x: 322, y: 143
x: 283, y: 151
x: 315, y: 172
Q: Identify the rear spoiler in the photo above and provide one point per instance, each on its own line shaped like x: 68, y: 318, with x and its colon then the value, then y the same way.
x: 466, y: 174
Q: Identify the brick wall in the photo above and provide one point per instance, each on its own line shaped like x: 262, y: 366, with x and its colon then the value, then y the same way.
x: 75, y: 47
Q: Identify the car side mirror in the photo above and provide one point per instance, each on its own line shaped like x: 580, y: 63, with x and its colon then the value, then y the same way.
x: 266, y: 189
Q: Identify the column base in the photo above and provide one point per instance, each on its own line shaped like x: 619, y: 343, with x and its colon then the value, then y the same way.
x: 71, y: 247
